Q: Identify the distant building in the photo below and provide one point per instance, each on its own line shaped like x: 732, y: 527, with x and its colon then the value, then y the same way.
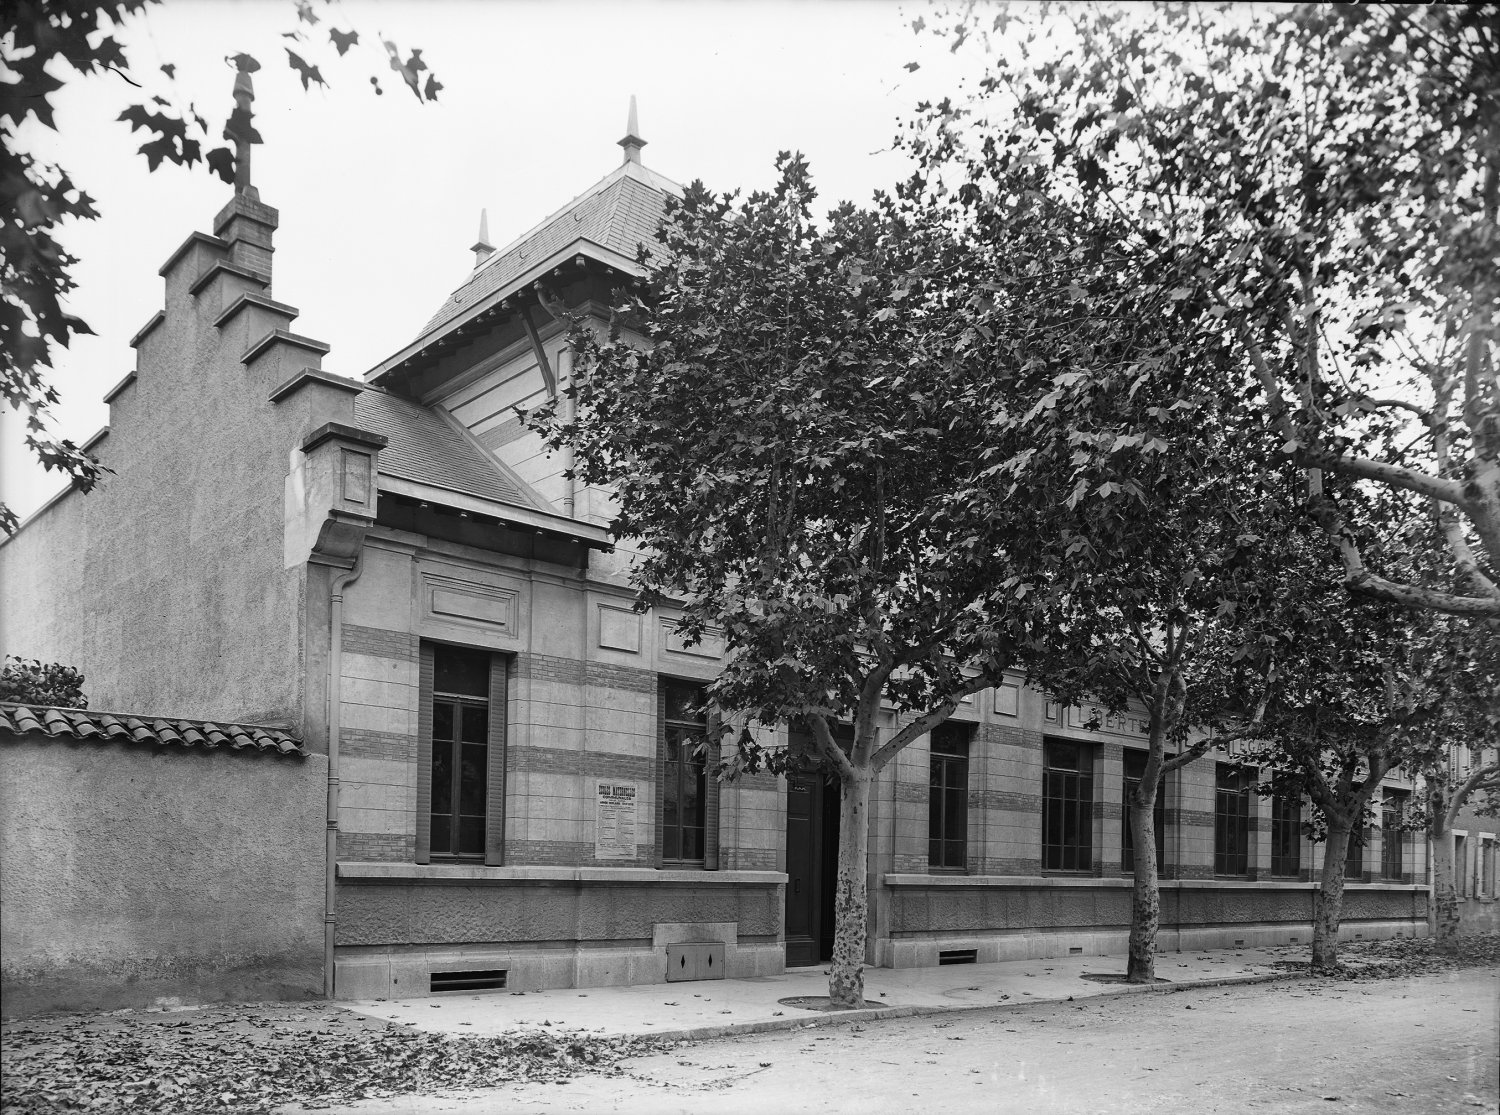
x: 1474, y: 837
x: 391, y: 574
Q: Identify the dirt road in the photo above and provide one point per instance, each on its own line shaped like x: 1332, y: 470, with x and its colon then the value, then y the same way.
x: 1424, y: 1045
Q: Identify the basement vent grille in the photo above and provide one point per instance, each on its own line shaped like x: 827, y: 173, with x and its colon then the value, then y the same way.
x: 959, y: 956
x: 486, y: 979
x: 1293, y: 940
x: 1239, y: 942
x: 1075, y: 952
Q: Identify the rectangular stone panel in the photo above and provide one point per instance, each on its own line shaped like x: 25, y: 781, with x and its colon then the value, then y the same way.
x: 619, y: 628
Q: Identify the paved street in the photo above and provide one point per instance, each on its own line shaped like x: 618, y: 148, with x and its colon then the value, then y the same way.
x: 1421, y: 1045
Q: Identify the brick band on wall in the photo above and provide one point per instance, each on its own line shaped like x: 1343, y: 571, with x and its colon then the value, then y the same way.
x: 380, y: 643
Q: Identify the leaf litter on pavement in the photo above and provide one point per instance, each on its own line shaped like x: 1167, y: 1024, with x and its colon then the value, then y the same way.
x: 255, y: 1058
x: 1402, y: 956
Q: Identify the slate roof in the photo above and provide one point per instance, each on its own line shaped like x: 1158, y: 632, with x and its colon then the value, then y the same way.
x: 422, y: 446
x: 107, y: 727
x: 620, y: 212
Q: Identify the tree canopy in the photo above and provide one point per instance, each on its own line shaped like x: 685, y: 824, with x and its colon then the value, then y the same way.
x: 1321, y: 182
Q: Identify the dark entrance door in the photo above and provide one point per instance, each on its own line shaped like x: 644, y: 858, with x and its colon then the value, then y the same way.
x: 812, y: 843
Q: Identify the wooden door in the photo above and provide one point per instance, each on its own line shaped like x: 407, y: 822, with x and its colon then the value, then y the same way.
x: 804, y: 869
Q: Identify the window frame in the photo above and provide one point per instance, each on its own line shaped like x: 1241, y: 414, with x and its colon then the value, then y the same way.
x: 949, y: 748
x: 1286, y: 828
x: 1400, y: 800
x: 493, y: 849
x: 1070, y: 789
x: 708, y: 786
x: 1159, y: 811
x: 1232, y: 824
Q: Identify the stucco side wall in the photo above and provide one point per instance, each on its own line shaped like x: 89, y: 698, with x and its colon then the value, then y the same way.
x: 132, y: 874
x: 166, y: 585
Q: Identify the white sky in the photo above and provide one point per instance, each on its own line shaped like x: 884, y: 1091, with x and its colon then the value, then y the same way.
x: 380, y: 196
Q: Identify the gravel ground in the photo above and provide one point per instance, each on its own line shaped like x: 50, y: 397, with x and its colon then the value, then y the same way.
x: 254, y: 1058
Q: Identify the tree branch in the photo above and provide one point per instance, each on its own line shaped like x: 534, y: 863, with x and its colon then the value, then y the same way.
x: 927, y: 721
x: 829, y: 748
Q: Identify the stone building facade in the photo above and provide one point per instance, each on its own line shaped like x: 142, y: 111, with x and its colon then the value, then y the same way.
x: 394, y: 570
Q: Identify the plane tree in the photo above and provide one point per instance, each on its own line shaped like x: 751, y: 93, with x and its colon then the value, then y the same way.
x: 1359, y: 685
x: 1182, y: 623
x: 1322, y: 182
x: 872, y: 452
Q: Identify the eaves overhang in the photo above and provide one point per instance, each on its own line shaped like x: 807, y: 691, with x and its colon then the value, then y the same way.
x: 526, y: 518
x: 478, y: 316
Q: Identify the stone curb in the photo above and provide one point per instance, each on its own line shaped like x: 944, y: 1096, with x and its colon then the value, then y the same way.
x: 875, y: 1014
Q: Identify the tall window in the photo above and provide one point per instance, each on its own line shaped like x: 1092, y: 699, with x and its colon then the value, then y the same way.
x: 1286, y: 836
x: 1392, y: 835
x: 1135, y: 770
x: 1354, y: 858
x: 460, y: 750
x: 1232, y: 820
x: 948, y: 798
x: 1067, y: 806
x: 684, y: 777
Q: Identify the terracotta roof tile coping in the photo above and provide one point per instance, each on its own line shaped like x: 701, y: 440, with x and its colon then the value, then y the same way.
x: 106, y: 727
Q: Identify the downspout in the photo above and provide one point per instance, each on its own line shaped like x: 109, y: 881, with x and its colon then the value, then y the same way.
x: 335, y: 718
x: 570, y: 412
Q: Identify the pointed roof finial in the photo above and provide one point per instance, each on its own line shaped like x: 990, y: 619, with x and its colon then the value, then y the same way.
x: 632, y: 141
x: 482, y: 248
x: 242, y: 131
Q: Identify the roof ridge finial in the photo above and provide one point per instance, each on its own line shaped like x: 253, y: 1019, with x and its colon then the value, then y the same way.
x: 482, y: 248
x: 632, y: 141
x: 242, y: 131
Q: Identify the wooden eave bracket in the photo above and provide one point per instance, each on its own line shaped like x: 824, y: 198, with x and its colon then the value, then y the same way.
x: 541, y: 354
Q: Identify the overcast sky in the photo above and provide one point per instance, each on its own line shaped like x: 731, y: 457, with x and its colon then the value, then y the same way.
x: 380, y: 196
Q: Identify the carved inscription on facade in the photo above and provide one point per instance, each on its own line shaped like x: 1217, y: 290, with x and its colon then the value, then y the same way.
x: 1093, y: 718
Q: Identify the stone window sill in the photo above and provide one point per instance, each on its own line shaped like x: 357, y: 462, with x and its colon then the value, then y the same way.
x: 908, y: 880
x: 477, y: 873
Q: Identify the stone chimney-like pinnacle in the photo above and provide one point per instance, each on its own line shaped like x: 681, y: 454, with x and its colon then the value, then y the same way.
x: 482, y: 248
x: 632, y: 141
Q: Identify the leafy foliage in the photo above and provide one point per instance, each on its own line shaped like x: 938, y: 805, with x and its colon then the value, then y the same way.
x: 1321, y: 184
x: 28, y: 681
x: 895, y: 455
x: 260, y: 1058
x: 45, y: 40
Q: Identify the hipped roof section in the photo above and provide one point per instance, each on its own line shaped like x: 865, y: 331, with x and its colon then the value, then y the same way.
x: 607, y: 223
x: 426, y: 447
x: 118, y: 727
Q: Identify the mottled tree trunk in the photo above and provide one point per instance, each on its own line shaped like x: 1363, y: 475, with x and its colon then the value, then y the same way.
x: 851, y: 903
x: 1145, y: 902
x: 1325, y: 942
x: 1444, y: 891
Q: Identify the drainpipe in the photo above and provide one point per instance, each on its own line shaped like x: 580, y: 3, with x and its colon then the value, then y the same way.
x: 570, y: 412
x: 335, y: 718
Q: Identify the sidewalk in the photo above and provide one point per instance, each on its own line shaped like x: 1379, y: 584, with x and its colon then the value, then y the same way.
x: 718, y: 1008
